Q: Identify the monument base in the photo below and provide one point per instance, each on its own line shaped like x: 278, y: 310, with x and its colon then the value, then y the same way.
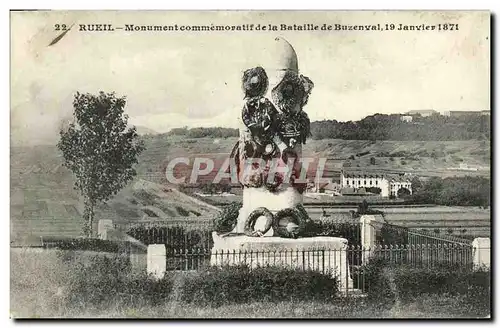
x: 323, y: 254
x: 261, y: 197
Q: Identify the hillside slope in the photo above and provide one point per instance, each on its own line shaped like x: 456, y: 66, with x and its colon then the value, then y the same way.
x: 424, y: 158
x: 43, y: 201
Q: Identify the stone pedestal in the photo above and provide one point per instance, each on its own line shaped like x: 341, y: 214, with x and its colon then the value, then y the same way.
x: 324, y: 254
x: 273, y: 201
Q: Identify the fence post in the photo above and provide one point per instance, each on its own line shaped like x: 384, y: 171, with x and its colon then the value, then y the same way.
x: 102, y: 228
x: 157, y: 260
x: 481, y: 253
x: 369, y: 226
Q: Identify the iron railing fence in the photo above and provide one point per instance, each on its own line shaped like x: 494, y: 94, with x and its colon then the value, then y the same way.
x: 353, y: 260
x: 394, y: 234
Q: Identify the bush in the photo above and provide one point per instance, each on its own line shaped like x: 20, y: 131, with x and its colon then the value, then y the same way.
x: 226, y: 220
x: 393, y: 235
x: 238, y: 284
x: 325, y: 227
x: 384, y: 282
x: 182, y: 211
x: 109, y: 280
x: 87, y: 244
x: 174, y: 237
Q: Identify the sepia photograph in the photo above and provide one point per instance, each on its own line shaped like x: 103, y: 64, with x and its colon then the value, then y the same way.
x: 239, y: 164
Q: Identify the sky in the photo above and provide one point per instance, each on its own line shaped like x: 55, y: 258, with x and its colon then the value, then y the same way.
x: 175, y: 79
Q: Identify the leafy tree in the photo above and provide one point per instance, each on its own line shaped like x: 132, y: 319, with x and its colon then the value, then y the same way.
x: 209, y: 188
x: 99, y: 149
x: 416, y: 184
x: 390, y: 127
x: 364, y: 209
x: 403, y: 193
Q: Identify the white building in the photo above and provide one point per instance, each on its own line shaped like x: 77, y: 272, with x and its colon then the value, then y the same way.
x: 422, y: 112
x: 388, y: 184
x: 406, y: 118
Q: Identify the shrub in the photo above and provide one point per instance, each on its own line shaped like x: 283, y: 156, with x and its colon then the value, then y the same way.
x: 226, y: 220
x: 109, y: 280
x: 87, y: 244
x: 351, y: 230
x: 384, y: 282
x: 182, y: 211
x: 393, y: 235
x: 239, y: 284
x: 174, y: 237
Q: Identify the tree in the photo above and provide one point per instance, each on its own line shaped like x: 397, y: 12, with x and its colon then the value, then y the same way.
x: 99, y: 149
x: 403, y: 193
x: 416, y: 184
x: 372, y: 161
x: 209, y: 188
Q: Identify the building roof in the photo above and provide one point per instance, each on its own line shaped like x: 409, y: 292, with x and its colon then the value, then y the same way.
x: 399, y: 179
x: 365, y: 175
x: 371, y: 175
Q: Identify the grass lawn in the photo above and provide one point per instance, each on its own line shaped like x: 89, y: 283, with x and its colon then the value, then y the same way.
x: 425, y: 307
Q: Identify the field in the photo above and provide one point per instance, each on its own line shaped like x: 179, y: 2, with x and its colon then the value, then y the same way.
x: 40, y: 283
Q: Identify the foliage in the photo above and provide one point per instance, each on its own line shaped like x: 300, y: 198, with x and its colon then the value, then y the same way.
x: 384, y: 282
x: 239, y: 284
x: 88, y: 244
x: 462, y: 191
x: 390, y: 127
x: 416, y: 184
x: 107, y: 278
x: 182, y: 211
x: 393, y: 235
x: 174, y: 237
x: 215, y: 132
x: 42, y: 286
x: 226, y: 220
x: 349, y: 230
x: 99, y: 149
x: 364, y: 209
x: 403, y: 192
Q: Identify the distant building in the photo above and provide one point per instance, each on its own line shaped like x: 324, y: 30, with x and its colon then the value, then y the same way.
x: 406, y: 118
x: 388, y: 184
x: 422, y: 112
x: 460, y: 113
